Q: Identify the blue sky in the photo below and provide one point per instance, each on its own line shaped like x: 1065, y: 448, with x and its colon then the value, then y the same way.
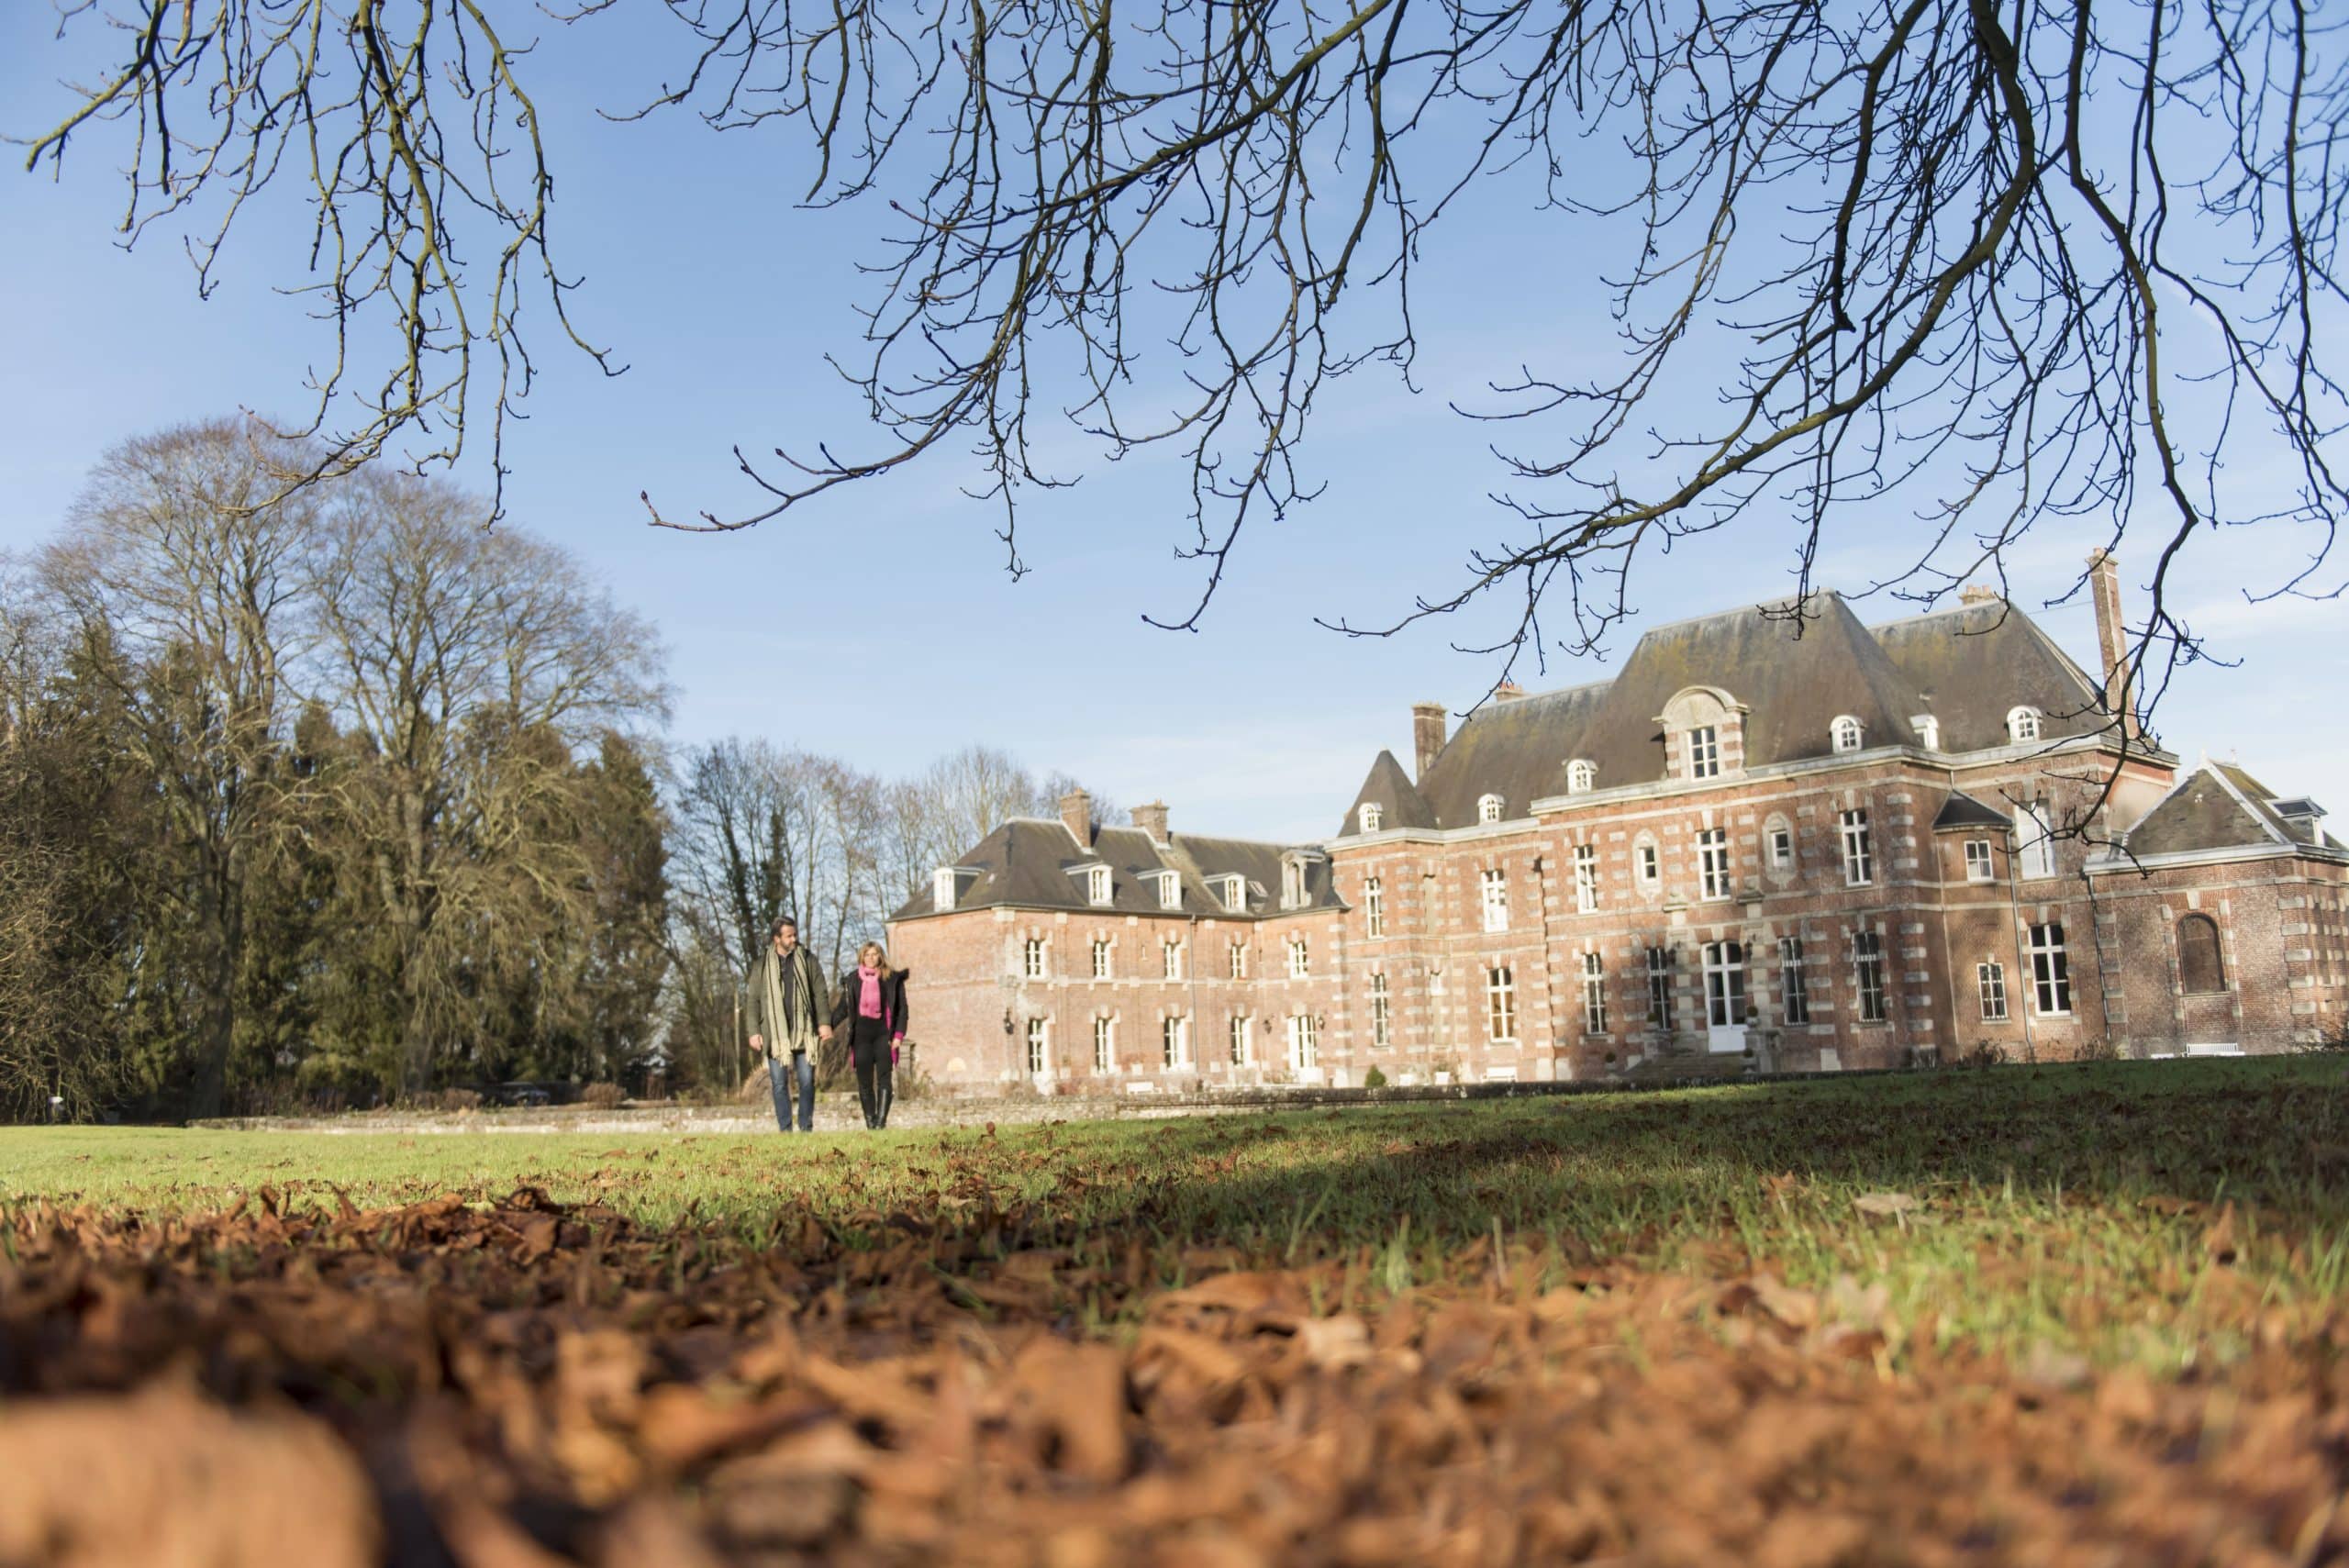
x: 722, y: 297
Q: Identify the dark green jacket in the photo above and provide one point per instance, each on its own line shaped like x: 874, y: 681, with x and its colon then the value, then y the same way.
x: 787, y: 1001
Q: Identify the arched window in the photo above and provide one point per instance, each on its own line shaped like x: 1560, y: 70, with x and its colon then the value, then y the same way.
x: 1488, y: 808
x: 1370, y: 816
x: 1846, y: 733
x: 2199, y: 964
x: 1582, y: 776
x: 2022, y: 724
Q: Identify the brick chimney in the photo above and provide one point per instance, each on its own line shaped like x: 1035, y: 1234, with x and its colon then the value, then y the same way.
x: 1427, y: 734
x: 1076, y: 816
x: 2112, y: 641
x: 1152, y: 819
x: 1508, y: 691
x: 1977, y: 593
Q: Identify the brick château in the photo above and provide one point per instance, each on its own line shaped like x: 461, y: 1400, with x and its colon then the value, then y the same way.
x: 1773, y: 842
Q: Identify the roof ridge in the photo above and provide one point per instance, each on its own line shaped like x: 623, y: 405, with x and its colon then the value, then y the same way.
x: 1835, y: 594
x: 1960, y: 607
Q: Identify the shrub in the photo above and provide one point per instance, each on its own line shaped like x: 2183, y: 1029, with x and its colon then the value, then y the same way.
x: 1985, y: 1053
x: 1374, y: 1079
x: 603, y: 1096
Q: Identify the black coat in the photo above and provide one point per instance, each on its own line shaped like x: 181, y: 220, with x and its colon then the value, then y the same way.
x: 893, y: 1001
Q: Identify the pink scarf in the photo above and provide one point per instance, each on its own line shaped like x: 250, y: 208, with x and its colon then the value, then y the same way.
x: 868, y: 1002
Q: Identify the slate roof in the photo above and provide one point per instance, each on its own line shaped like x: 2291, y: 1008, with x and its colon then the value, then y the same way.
x: 1962, y: 810
x: 2219, y: 806
x: 1971, y: 664
x: 1967, y: 667
x: 1514, y: 749
x: 1032, y: 862
x: 1390, y: 789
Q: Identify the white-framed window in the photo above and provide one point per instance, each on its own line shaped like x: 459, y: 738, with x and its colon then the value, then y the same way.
x: 1373, y: 907
x: 1304, y: 1048
x: 1040, y: 1050
x: 1488, y: 808
x: 1594, y: 993
x: 1712, y: 864
x: 1300, y: 959
x: 1105, y: 1045
x: 2034, y: 839
x: 1845, y: 733
x: 1369, y: 816
x: 1500, y: 1004
x: 1032, y: 958
x: 1990, y: 984
x: 1235, y: 894
x: 1174, y: 1041
x: 1239, y: 960
x: 1378, y: 1011
x: 1171, y: 952
x: 1794, y: 986
x: 1582, y: 776
x: 1782, y: 847
x: 1650, y: 862
x: 1170, y: 891
x: 1724, y: 967
x: 1493, y: 890
x: 1100, y: 958
x: 1979, y: 864
x: 1292, y: 885
x: 1586, y: 878
x: 1859, y: 849
x: 1096, y: 885
x: 1867, y: 964
x: 1242, y: 1047
x: 2050, y: 972
x: 941, y: 888
x: 1929, y: 732
x: 2022, y: 724
x: 1704, y: 752
x: 1660, y: 987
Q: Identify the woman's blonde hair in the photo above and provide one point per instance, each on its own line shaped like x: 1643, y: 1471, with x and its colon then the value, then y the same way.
x: 880, y: 958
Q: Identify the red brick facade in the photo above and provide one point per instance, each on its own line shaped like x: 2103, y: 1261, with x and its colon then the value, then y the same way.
x: 1802, y: 909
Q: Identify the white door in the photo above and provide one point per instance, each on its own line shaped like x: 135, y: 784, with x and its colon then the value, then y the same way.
x: 1724, y: 997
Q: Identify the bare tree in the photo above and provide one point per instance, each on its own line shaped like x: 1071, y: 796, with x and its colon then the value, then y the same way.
x: 1920, y: 252
x: 477, y: 666
x: 184, y: 556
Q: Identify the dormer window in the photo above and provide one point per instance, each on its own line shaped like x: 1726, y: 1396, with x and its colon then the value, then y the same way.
x: 1845, y: 732
x: 1929, y: 732
x: 1582, y: 776
x: 1292, y: 883
x: 1096, y: 885
x: 1488, y: 808
x: 2022, y: 724
x: 946, y: 884
x: 1170, y: 890
x: 2300, y: 817
x: 1370, y: 815
x: 1235, y: 893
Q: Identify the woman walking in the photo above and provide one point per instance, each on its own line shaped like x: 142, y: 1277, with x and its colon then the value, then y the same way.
x: 872, y: 1004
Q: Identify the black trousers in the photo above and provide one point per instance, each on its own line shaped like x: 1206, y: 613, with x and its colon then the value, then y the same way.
x: 868, y: 1051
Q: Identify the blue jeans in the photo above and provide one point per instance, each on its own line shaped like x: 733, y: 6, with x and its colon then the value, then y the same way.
x: 780, y: 1072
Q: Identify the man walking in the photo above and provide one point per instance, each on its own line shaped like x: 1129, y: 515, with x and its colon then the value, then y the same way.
x: 789, y: 1005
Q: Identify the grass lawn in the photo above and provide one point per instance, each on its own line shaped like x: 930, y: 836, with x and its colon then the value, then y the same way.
x: 2148, y: 1214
